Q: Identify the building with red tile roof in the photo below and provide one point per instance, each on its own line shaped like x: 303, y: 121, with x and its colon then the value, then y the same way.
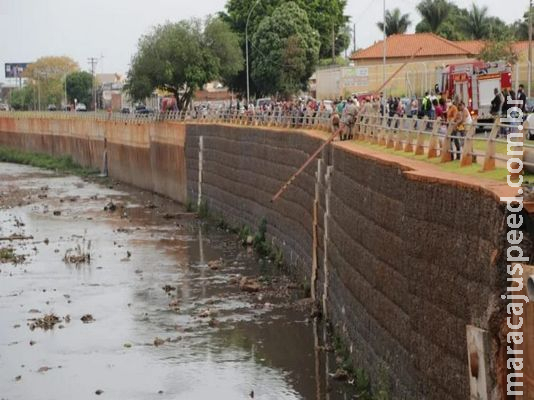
x: 433, y: 48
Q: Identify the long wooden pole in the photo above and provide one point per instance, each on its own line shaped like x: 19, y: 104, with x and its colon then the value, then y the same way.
x: 331, y: 138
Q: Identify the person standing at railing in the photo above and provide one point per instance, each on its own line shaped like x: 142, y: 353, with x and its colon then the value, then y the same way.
x: 462, y: 121
x: 414, y: 107
x: 426, y: 108
x: 452, y: 119
x: 496, y: 103
x: 348, y: 119
x: 438, y: 108
x: 522, y: 97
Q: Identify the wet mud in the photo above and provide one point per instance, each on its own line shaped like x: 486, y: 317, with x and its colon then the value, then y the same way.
x: 107, y: 291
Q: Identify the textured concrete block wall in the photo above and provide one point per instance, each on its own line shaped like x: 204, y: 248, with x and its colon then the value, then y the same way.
x: 243, y: 168
x: 410, y: 261
x: 413, y: 262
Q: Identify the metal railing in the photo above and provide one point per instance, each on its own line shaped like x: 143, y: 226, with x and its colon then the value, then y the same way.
x: 437, y: 138
x: 422, y: 137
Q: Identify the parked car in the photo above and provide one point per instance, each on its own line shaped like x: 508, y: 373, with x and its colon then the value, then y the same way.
x: 4, y: 107
x: 52, y: 107
x: 142, y: 110
x: 81, y: 107
x: 125, y: 110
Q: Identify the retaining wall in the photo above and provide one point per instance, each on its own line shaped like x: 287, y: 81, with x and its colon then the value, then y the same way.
x: 406, y: 260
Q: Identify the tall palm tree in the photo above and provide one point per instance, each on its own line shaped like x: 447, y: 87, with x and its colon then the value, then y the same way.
x: 478, y: 22
x: 434, y: 13
x: 395, y: 22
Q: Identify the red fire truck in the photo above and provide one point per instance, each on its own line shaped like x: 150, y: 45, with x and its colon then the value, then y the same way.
x: 474, y: 83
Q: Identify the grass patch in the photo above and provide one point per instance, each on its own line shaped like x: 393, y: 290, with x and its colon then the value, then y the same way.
x: 63, y: 164
x: 498, y: 174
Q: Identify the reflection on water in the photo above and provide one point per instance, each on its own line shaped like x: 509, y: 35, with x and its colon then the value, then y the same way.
x: 219, y: 343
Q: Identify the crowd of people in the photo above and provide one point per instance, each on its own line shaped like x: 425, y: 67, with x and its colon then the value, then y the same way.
x: 344, y: 114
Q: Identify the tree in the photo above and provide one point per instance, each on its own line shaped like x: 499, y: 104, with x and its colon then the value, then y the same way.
x: 499, y: 51
x: 51, y: 68
x: 520, y: 28
x: 79, y: 86
x: 325, y: 16
x: 22, y: 99
x: 434, y: 13
x: 477, y: 23
x: 498, y: 30
x: 47, y: 76
x: 286, y: 51
x: 396, y: 23
x: 182, y: 57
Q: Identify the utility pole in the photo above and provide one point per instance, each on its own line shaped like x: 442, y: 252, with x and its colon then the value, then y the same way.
x: 354, y: 38
x: 333, y: 44
x: 530, y: 49
x: 93, y: 61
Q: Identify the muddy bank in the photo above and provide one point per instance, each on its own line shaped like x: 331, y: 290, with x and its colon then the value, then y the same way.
x: 156, y: 311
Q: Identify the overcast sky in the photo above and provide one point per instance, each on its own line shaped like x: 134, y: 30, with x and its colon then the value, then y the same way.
x: 109, y: 29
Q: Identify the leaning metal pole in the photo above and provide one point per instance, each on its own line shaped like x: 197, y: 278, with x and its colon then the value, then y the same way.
x: 331, y: 138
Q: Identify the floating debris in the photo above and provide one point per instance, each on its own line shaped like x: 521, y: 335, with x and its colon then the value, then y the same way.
x: 8, y: 255
x: 87, y: 319
x: 81, y: 254
x: 168, y: 288
x: 46, y: 322
x: 249, y: 285
x: 158, y: 341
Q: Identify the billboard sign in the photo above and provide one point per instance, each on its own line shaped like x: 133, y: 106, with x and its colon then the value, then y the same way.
x: 15, y: 70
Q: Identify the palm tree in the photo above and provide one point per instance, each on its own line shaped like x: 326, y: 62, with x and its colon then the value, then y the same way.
x: 434, y: 13
x: 477, y: 24
x: 396, y: 23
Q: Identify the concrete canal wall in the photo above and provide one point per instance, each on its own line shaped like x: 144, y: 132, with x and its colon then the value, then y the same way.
x: 409, y: 262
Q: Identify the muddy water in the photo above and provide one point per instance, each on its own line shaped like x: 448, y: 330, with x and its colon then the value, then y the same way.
x: 217, y: 342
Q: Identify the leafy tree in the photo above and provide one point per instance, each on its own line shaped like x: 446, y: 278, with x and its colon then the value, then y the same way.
x: 286, y: 51
x: 325, y: 16
x: 434, y: 13
x: 182, y: 57
x: 520, y: 28
x: 498, y: 30
x: 22, y: 99
x: 499, y: 50
x: 47, y: 76
x: 477, y: 23
x: 51, y: 68
x: 396, y: 23
x: 79, y: 87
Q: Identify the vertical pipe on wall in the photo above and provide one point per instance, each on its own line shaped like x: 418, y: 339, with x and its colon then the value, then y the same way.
x: 200, y: 167
x: 328, y: 189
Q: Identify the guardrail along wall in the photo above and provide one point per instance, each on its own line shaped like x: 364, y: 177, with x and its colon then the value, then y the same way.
x: 409, y: 265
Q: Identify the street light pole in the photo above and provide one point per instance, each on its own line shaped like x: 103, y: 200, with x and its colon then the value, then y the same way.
x: 530, y: 49
x: 246, y: 50
x: 384, y: 55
